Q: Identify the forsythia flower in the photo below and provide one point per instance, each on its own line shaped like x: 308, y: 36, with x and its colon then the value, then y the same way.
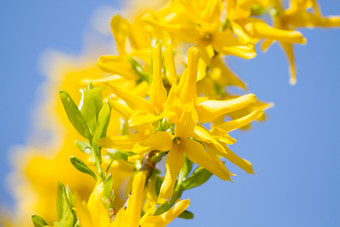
x: 182, y: 108
x: 95, y: 214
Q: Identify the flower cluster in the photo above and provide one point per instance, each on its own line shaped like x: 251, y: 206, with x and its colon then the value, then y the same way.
x: 164, y: 96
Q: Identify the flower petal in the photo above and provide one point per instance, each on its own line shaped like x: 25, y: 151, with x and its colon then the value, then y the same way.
x: 124, y: 110
x: 165, y: 218
x: 133, y: 101
x: 259, y: 29
x: 174, y: 162
x: 135, y: 202
x: 83, y: 213
x: 289, y: 50
x: 240, y: 162
x: 96, y: 208
x: 188, y: 32
x: 196, y: 153
x: 224, y: 76
x: 187, y: 84
x: 120, y: 142
x: 160, y: 141
x: 185, y: 127
x: 212, y: 109
x: 157, y: 91
x: 119, y: 28
x: 116, y: 65
x: 240, y: 122
x: 169, y: 65
x: 227, y: 44
x: 141, y: 117
x: 202, y: 134
x: 222, y: 136
x: 212, y: 11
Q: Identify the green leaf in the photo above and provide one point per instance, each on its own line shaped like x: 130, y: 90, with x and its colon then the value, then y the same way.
x: 103, y: 122
x: 82, y: 167
x: 164, y: 207
x: 61, y: 190
x: 84, y: 147
x: 158, y: 185
x: 101, y: 128
x: 143, y: 76
x: 64, y: 209
x: 197, y: 178
x: 92, y: 104
x: 74, y: 115
x: 108, y: 184
x: 38, y: 221
x: 70, y: 199
x: 185, y: 170
x: 108, y: 166
x: 118, y: 155
x: 186, y: 215
x: 258, y: 10
x: 69, y: 195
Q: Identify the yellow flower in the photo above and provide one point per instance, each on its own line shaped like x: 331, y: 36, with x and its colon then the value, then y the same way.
x: 296, y: 16
x: 95, y: 214
x: 181, y: 18
x: 182, y: 108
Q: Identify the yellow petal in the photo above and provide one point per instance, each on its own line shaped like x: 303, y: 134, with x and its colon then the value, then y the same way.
x: 224, y: 77
x: 240, y: 162
x: 288, y: 48
x: 135, y: 202
x: 202, y: 70
x: 96, y: 208
x: 188, y: 32
x: 212, y: 11
x: 241, y: 33
x: 120, y: 219
x: 169, y: 65
x: 157, y: 91
x: 185, y: 127
x: 133, y: 101
x: 165, y: 218
x: 196, y: 153
x: 212, y: 109
x: 119, y: 28
x: 174, y: 162
x: 222, y: 136
x: 242, y: 9
x: 120, y: 142
x: 331, y: 21
x: 227, y: 44
x: 160, y: 141
x: 240, y: 122
x: 203, y: 134
x: 141, y: 117
x: 266, y: 44
x: 259, y: 29
x: 116, y: 65
x: 124, y: 110
x: 187, y: 85
x: 83, y: 213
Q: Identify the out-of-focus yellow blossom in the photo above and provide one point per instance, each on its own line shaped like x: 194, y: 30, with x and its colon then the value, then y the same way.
x: 39, y: 168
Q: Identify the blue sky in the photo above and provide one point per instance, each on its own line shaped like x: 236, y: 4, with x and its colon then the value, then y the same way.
x: 295, y: 153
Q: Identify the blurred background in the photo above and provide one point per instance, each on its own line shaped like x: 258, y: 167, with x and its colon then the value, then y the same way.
x: 295, y: 153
